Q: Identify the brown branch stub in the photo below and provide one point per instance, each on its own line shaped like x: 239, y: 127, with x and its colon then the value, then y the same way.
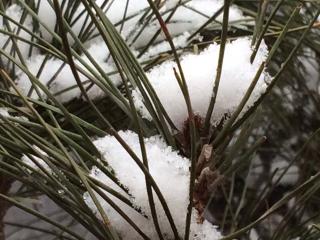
x: 203, y: 158
x: 207, y: 182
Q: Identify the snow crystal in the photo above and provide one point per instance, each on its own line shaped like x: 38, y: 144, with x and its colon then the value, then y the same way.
x: 171, y: 173
x: 200, y: 72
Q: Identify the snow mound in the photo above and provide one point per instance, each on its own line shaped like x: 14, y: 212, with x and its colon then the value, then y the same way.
x: 171, y: 173
x: 200, y: 73
x: 187, y: 18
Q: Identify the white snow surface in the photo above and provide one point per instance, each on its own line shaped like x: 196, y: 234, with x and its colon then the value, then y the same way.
x: 15, y: 12
x: 4, y: 112
x: 31, y: 162
x: 291, y: 176
x: 164, y: 46
x: 57, y: 76
x: 200, y: 72
x: 171, y: 173
x: 185, y: 19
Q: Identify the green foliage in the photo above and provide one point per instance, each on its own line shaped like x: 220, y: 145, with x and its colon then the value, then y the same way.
x: 63, y: 133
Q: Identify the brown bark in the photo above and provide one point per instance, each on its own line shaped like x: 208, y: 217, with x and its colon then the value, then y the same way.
x: 206, y: 184
x: 207, y: 181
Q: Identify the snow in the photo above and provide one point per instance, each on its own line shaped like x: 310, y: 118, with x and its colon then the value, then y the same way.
x: 115, y: 14
x: 64, y: 78
x: 4, y: 112
x: 291, y: 176
x: 171, y: 173
x: 15, y: 12
x: 200, y: 72
x: 253, y: 235
x: 47, y: 14
x: 179, y: 42
x: 311, y: 67
x: 31, y: 162
x: 185, y: 19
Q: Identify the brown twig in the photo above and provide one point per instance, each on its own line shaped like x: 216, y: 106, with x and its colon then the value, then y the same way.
x: 207, y: 182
